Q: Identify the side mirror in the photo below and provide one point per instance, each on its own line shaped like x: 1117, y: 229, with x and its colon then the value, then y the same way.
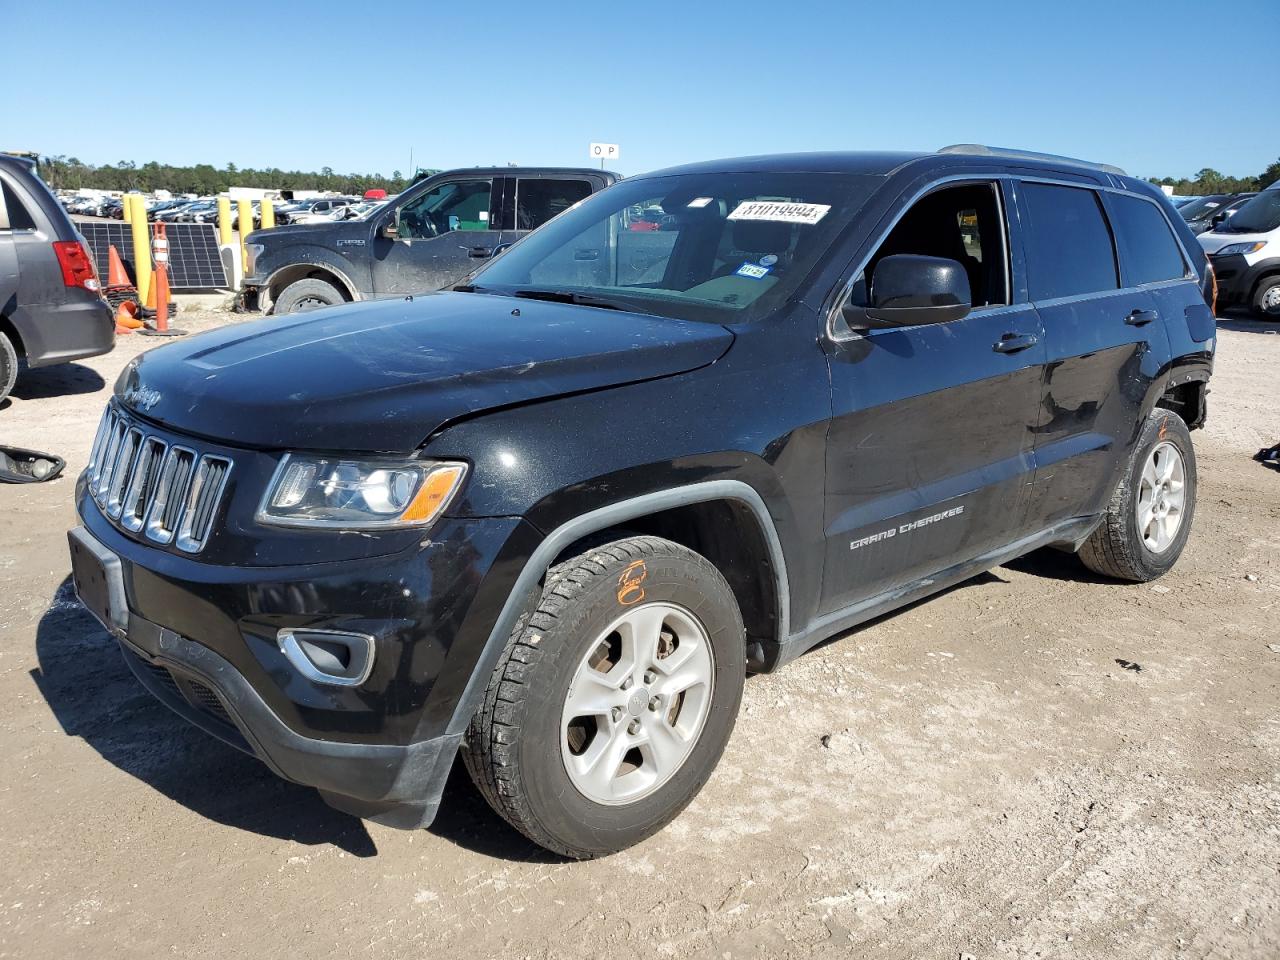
x: 909, y: 291
x: 390, y: 229
x: 1219, y: 218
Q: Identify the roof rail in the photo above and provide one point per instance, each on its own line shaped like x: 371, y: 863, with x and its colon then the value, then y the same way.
x: 981, y: 150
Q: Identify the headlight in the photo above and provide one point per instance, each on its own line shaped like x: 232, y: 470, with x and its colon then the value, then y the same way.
x: 1232, y: 249
x: 358, y: 494
x: 252, y: 251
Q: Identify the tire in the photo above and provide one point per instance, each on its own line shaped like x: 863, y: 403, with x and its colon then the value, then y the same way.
x: 1118, y: 547
x: 1266, y: 299
x: 310, y: 294
x: 521, y: 743
x: 8, y: 366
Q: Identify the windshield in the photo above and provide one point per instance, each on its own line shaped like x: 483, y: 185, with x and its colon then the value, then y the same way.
x: 723, y: 247
x: 1201, y: 207
x: 1259, y: 215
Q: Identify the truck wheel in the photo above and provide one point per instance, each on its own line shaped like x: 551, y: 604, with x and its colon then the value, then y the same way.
x: 613, y: 701
x: 309, y: 294
x: 8, y: 366
x: 1149, y: 517
x: 1266, y: 301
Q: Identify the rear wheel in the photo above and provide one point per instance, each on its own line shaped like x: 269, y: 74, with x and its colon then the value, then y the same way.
x: 1148, y: 519
x: 612, y: 703
x: 8, y: 366
x: 309, y: 294
x: 1266, y: 300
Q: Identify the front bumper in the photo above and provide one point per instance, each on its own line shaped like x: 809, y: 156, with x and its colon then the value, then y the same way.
x: 398, y: 785
x: 1237, y: 278
x: 202, y: 638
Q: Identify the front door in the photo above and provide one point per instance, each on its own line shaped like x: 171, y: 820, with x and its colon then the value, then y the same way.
x: 439, y: 233
x: 930, y: 449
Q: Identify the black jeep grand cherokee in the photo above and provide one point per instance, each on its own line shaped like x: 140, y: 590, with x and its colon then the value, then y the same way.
x: 552, y: 518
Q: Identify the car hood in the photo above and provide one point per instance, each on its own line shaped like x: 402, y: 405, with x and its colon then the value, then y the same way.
x: 1213, y: 241
x: 383, y: 375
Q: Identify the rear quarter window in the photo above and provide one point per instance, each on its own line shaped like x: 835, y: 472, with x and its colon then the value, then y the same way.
x: 1149, y: 252
x: 14, y: 214
x: 1068, y: 245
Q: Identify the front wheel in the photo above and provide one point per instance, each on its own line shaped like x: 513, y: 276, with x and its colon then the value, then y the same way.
x: 1148, y: 519
x: 309, y: 294
x: 1266, y: 301
x: 612, y: 703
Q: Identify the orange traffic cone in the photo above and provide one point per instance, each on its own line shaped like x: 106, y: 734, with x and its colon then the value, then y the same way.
x: 126, y: 318
x: 116, y: 276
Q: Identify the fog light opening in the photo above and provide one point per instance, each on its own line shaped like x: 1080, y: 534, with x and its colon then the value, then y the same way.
x: 333, y: 657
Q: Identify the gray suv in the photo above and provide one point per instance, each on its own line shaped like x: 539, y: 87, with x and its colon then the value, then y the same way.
x: 51, y: 306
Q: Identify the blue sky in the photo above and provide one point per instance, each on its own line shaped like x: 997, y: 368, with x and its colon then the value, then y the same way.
x: 315, y: 83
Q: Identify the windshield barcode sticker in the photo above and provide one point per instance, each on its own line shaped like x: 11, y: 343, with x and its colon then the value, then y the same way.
x: 780, y: 211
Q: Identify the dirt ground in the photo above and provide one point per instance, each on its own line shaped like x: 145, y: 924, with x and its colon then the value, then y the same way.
x: 1035, y: 764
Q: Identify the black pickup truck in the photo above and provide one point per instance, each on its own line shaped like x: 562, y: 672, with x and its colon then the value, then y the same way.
x: 431, y: 235
x: 551, y: 518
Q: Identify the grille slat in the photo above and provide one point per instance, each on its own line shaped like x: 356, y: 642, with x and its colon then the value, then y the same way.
x: 168, y: 493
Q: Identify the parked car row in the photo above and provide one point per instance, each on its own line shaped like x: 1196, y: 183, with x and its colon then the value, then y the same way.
x: 205, y: 209
x: 1204, y: 213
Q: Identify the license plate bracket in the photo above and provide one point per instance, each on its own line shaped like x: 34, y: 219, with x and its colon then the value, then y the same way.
x: 99, y: 580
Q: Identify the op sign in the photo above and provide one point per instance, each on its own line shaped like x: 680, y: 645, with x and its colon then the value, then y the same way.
x: 604, y: 151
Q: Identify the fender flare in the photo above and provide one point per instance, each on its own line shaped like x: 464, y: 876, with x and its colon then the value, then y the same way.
x: 328, y: 265
x: 593, y: 522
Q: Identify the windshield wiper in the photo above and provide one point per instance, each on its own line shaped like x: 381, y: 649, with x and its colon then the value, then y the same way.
x: 567, y: 296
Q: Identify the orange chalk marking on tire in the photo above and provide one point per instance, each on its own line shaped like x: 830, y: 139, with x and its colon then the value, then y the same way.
x: 631, y: 583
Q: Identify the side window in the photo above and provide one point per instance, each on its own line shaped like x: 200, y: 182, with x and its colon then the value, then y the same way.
x: 962, y: 223
x: 537, y: 201
x: 1068, y: 246
x: 13, y: 213
x: 457, y: 205
x: 1149, y: 252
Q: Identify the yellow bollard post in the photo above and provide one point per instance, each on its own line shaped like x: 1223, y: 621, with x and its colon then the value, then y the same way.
x: 244, y: 227
x: 126, y: 208
x: 224, y: 221
x: 268, y: 214
x: 141, y: 246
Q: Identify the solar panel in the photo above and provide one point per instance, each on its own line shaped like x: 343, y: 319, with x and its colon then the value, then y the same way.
x: 194, y: 261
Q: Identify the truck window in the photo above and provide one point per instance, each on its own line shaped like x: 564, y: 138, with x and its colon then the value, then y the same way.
x: 456, y: 205
x: 537, y: 201
x: 1151, y: 253
x: 1068, y: 245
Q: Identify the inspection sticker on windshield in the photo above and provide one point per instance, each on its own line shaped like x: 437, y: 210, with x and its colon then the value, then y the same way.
x: 779, y: 211
x: 753, y: 270
x: 698, y: 202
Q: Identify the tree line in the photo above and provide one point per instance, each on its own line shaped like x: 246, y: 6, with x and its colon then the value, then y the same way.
x: 1209, y: 181
x: 71, y: 173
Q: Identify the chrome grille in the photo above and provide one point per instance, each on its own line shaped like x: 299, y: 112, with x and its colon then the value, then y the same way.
x: 169, y: 493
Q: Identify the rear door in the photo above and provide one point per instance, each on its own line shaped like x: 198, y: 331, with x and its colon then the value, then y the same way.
x: 8, y: 257
x: 440, y: 230
x: 532, y: 201
x: 1105, y: 345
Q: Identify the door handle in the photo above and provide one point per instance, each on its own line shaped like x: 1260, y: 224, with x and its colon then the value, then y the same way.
x: 479, y: 253
x: 1141, y: 318
x: 1013, y: 342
